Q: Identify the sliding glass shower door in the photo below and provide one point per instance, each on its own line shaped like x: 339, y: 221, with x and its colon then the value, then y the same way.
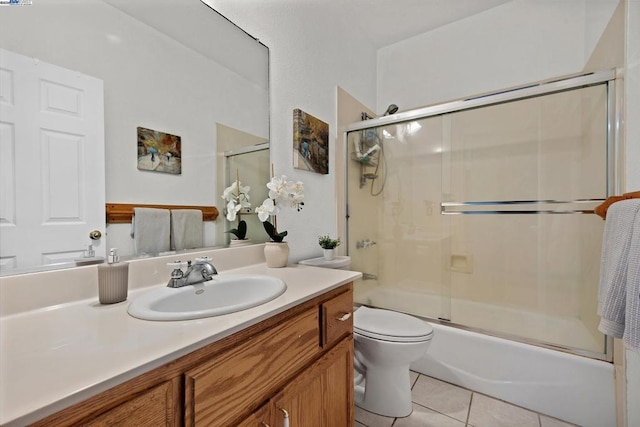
x: 483, y: 217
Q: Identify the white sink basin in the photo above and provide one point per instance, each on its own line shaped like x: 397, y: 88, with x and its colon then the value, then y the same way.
x: 223, y: 294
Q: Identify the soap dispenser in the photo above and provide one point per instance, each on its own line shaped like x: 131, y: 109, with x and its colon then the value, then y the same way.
x: 113, y: 279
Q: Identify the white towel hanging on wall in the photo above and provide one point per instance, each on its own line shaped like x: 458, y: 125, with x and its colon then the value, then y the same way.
x: 619, y: 291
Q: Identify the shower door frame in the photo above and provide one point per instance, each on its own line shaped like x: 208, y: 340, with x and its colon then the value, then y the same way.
x: 547, y: 87
x: 249, y: 149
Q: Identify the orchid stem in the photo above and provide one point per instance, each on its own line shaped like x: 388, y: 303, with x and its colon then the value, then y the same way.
x: 275, y: 219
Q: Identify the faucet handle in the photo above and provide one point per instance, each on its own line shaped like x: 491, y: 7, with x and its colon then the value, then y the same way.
x: 177, y: 264
x: 178, y: 268
x: 203, y: 259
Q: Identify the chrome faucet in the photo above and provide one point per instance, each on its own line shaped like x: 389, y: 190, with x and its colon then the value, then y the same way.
x: 199, y: 272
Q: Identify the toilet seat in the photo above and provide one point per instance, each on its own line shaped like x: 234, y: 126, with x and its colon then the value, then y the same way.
x: 386, y: 325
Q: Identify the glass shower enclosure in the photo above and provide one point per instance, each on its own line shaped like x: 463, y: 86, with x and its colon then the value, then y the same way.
x: 250, y: 165
x: 479, y: 213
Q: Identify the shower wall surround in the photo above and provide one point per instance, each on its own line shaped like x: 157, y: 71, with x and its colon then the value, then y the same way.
x: 514, y: 250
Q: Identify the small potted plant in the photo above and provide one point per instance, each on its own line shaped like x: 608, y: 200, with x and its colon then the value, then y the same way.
x: 328, y: 246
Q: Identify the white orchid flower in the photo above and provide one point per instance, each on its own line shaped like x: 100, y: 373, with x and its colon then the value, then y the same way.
x: 281, y: 193
x: 277, y: 188
x: 236, y: 191
x: 237, y: 197
x: 295, y: 194
x: 232, y: 210
x: 244, y: 190
x: 227, y: 194
x: 267, y: 208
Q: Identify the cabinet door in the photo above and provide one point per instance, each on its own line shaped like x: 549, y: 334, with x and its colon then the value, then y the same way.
x: 152, y: 408
x: 260, y: 418
x: 322, y: 395
x: 219, y: 391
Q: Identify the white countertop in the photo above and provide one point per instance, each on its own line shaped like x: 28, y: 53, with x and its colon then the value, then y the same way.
x: 56, y: 356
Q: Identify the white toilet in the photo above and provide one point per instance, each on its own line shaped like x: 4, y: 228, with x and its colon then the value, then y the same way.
x: 339, y: 262
x: 386, y: 343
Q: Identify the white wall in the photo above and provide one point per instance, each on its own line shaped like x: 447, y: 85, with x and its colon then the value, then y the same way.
x: 311, y: 51
x: 518, y: 42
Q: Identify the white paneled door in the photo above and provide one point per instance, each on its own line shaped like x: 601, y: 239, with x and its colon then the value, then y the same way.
x: 52, y: 188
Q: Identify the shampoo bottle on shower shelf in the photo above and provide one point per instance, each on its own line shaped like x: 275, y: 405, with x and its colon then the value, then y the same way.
x: 113, y: 279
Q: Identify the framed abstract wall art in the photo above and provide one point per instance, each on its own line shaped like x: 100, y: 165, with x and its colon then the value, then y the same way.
x: 310, y: 143
x: 159, y: 151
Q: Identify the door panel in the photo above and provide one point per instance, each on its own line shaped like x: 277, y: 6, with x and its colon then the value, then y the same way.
x: 52, y: 147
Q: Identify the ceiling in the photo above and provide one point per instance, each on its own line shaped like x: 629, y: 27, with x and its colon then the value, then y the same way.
x: 385, y: 22
x: 382, y: 22
x: 193, y: 24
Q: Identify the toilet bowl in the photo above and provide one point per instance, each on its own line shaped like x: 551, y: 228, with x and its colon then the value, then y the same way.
x: 386, y: 343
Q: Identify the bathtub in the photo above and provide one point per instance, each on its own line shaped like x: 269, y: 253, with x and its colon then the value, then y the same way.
x: 577, y: 389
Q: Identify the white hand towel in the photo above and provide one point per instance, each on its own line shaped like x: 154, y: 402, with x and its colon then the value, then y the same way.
x: 151, y: 230
x: 631, y: 335
x: 186, y: 229
x: 618, y: 296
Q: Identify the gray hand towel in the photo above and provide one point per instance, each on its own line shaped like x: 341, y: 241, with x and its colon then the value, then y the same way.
x: 151, y: 230
x: 186, y: 229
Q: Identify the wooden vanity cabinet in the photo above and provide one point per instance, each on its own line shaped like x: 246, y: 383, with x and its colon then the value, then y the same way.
x: 135, y: 403
x: 321, y: 396
x: 317, y: 397
x: 299, y: 361
x: 218, y: 391
x: 292, y: 365
x: 155, y: 407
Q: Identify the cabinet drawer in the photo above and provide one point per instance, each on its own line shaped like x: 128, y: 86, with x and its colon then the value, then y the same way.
x: 219, y: 392
x: 152, y: 408
x: 337, y: 317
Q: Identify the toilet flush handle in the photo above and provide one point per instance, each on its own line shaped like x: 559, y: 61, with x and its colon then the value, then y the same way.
x: 344, y: 317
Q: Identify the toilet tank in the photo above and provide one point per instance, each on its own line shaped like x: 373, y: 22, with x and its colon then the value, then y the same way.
x: 339, y: 262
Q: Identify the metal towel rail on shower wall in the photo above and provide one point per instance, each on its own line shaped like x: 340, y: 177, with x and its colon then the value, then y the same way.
x: 467, y: 208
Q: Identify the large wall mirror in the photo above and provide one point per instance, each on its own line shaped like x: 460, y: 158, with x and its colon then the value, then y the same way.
x: 78, y: 78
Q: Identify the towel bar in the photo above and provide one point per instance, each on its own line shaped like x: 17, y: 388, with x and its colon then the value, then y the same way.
x: 122, y: 213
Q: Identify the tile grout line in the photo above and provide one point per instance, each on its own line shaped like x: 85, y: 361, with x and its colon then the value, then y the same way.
x: 469, y: 411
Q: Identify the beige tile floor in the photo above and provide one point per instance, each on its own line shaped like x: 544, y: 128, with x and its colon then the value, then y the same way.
x: 440, y: 404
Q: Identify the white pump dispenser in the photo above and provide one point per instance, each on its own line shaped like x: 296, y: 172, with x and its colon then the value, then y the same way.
x: 113, y: 256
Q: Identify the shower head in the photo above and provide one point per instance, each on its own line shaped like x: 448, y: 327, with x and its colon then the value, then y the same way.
x: 391, y: 109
